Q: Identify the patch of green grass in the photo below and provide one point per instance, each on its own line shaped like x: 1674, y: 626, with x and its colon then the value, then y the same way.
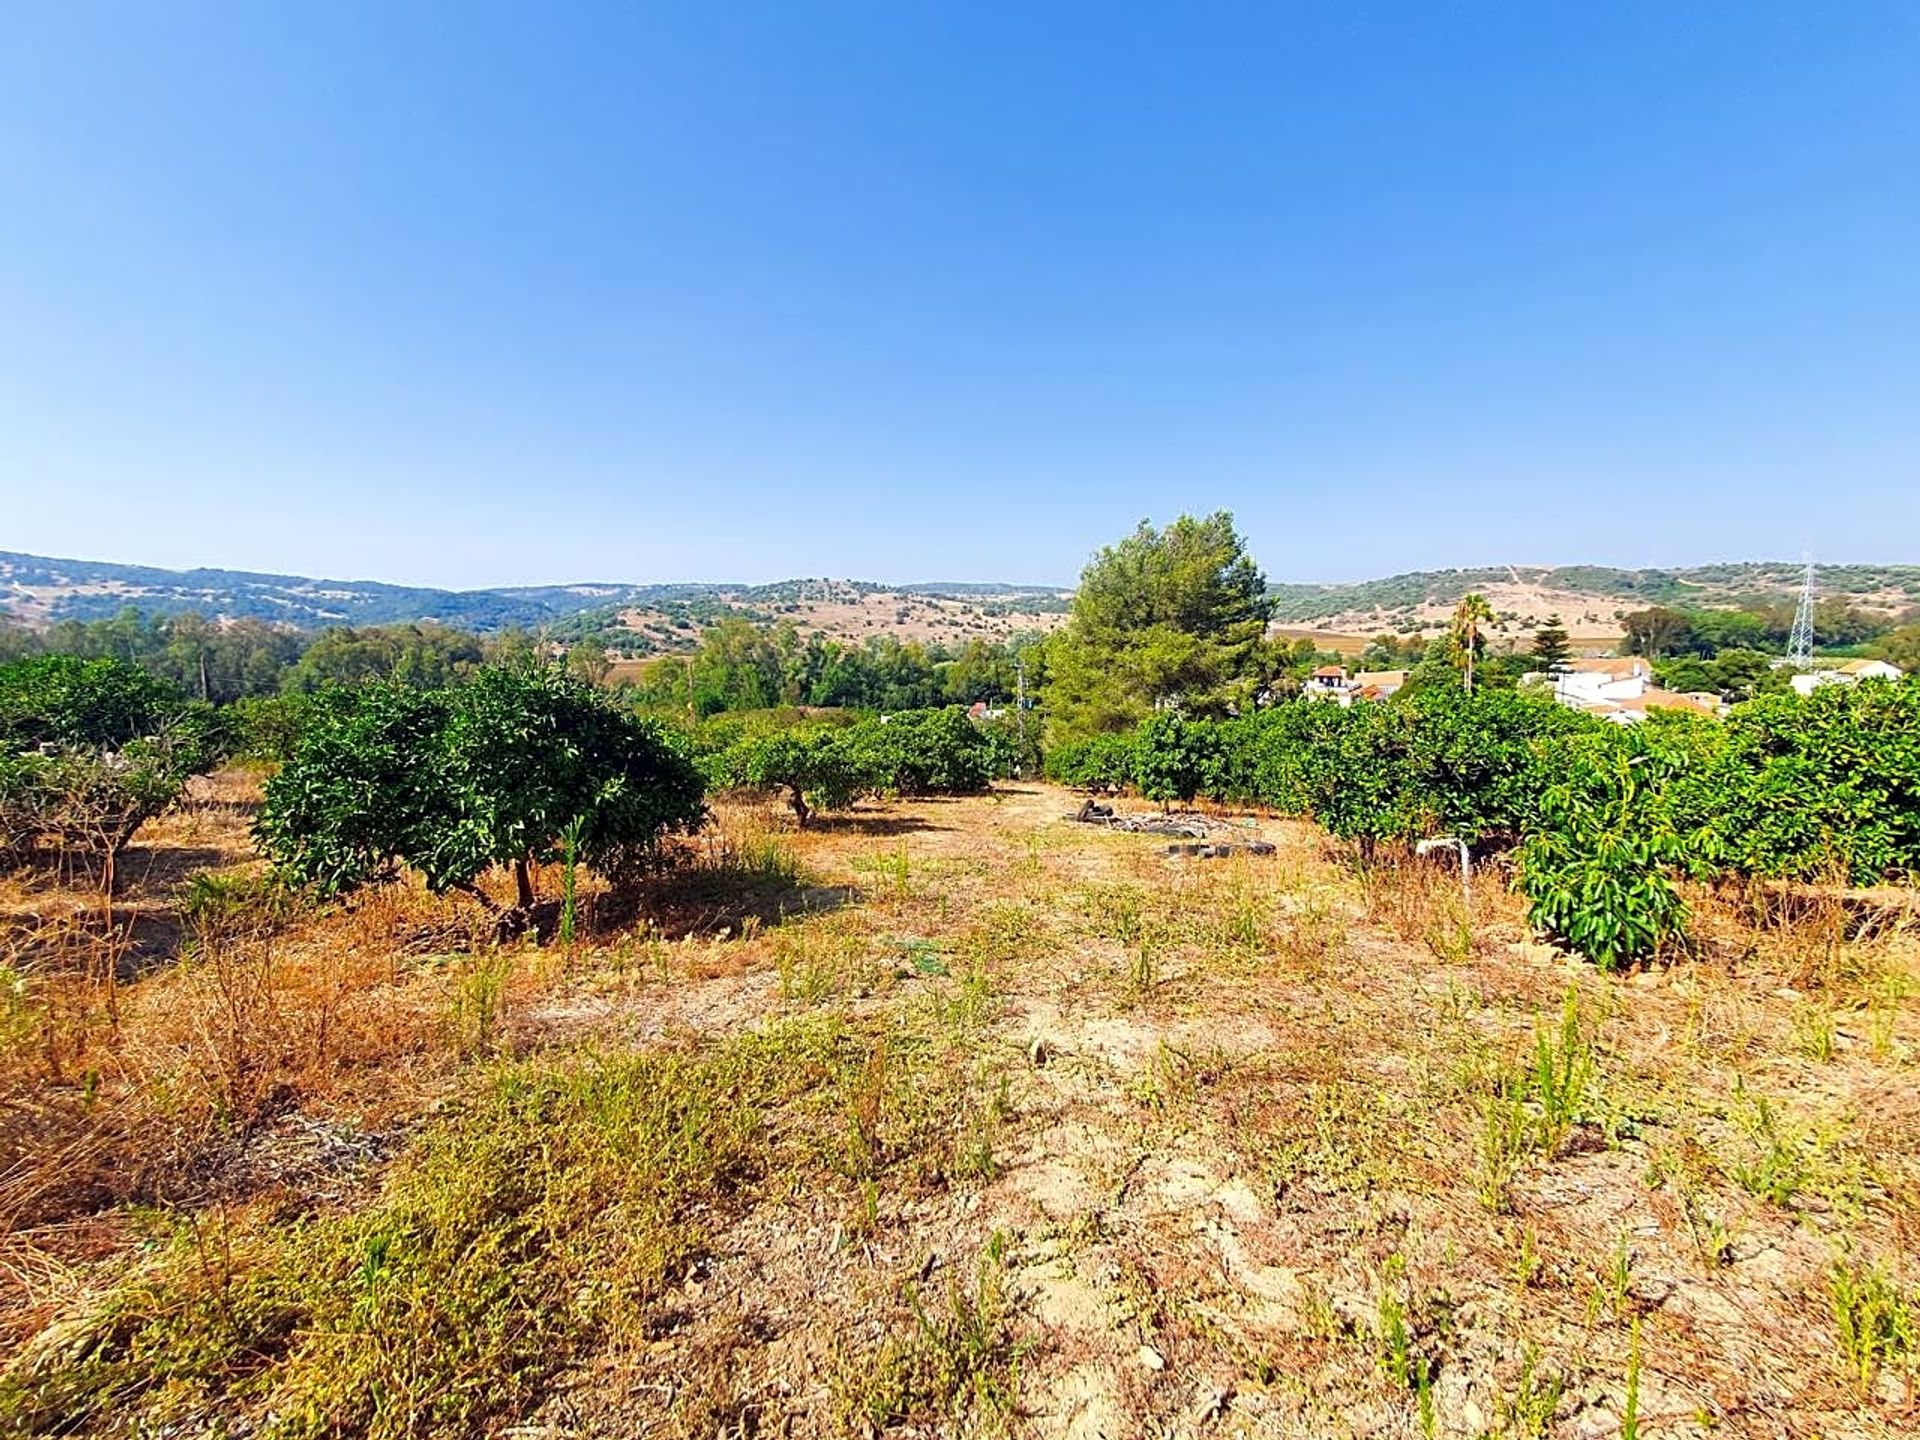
x: 1630, y: 1414
x: 546, y: 1212
x: 891, y: 872
x: 479, y: 990
x: 1503, y: 1144
x: 1533, y: 1109
x: 1562, y: 1073
x: 1782, y: 1156
x: 1813, y: 1031
x: 1875, y: 1325
x: 1397, y: 1358
x: 1348, y: 1140
x: 956, y: 1356
x: 1528, y: 1411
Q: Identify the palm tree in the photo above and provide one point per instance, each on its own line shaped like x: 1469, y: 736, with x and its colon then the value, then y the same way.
x: 1468, y: 616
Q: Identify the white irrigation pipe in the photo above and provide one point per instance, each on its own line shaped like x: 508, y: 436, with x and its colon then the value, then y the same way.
x: 1442, y: 842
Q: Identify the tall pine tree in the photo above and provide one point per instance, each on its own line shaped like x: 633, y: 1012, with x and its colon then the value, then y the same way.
x: 1550, y: 645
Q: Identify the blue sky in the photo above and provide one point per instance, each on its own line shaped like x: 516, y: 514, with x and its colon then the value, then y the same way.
x: 477, y: 294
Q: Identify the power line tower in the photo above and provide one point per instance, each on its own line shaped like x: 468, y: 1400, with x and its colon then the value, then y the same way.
x: 1800, y: 643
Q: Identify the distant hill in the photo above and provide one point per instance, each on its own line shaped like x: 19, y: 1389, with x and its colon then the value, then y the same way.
x: 38, y: 590
x: 1589, y: 598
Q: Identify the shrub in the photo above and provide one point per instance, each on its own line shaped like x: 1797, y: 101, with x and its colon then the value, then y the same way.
x: 1824, y: 785
x: 266, y: 727
x: 1597, y: 868
x: 923, y: 752
x: 916, y: 752
x: 96, y: 704
x: 816, y: 767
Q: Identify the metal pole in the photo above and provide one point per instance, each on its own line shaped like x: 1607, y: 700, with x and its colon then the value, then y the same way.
x: 1020, y: 709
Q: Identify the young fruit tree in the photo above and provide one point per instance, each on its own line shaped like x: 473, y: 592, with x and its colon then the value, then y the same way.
x: 453, y: 783
x: 89, y: 751
x: 814, y: 766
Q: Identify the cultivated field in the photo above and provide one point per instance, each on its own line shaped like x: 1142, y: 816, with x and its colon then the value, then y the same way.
x: 941, y: 1118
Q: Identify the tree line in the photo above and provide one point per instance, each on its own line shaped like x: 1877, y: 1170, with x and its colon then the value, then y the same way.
x: 1600, y: 820
x: 420, y: 748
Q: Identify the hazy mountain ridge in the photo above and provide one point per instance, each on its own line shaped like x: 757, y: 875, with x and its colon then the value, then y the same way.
x: 40, y: 589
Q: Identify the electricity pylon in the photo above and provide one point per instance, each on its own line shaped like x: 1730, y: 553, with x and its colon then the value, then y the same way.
x: 1800, y: 643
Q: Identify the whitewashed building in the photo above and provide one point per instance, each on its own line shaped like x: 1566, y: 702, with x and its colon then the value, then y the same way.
x: 1844, y: 672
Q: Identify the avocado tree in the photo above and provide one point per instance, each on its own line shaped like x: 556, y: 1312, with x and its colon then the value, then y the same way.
x: 453, y: 783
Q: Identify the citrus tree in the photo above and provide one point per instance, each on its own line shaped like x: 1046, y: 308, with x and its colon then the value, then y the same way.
x: 813, y: 766
x: 1174, y: 758
x: 453, y: 783
x: 89, y: 751
x: 817, y: 767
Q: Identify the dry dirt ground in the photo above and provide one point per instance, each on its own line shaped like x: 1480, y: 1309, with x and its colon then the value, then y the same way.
x: 1035, y: 1130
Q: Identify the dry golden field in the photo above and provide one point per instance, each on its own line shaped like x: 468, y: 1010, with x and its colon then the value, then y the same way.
x: 945, y: 1118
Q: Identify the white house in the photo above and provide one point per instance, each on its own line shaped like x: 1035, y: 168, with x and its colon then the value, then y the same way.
x: 1620, y: 690
x: 1330, y: 682
x: 1844, y: 672
x: 1609, y: 681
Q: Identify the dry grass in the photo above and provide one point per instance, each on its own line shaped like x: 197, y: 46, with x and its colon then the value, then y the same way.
x: 953, y: 1119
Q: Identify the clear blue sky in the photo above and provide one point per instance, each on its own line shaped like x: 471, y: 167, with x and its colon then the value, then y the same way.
x: 468, y: 294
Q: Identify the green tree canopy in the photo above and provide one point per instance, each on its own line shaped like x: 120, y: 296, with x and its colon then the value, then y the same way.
x: 1551, y: 647
x: 424, y: 656
x: 1655, y: 631
x: 453, y: 782
x: 1173, y: 617
x: 89, y: 750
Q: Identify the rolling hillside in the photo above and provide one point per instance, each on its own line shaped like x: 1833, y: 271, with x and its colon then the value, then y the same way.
x: 1589, y: 598
x: 37, y: 590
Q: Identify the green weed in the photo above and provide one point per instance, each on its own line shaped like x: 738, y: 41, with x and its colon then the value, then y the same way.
x: 1875, y: 1325
x: 1563, y: 1070
x: 1630, y: 1414
x: 1528, y: 1412
x: 1813, y: 1031
x: 547, y: 1211
x: 478, y: 993
x: 1504, y: 1129
x: 957, y: 1357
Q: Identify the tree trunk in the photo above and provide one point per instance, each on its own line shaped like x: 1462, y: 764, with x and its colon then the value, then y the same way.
x: 800, y: 810
x: 485, y: 900
x: 523, y: 883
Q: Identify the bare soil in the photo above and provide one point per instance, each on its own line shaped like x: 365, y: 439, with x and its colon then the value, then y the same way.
x: 1239, y: 1167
